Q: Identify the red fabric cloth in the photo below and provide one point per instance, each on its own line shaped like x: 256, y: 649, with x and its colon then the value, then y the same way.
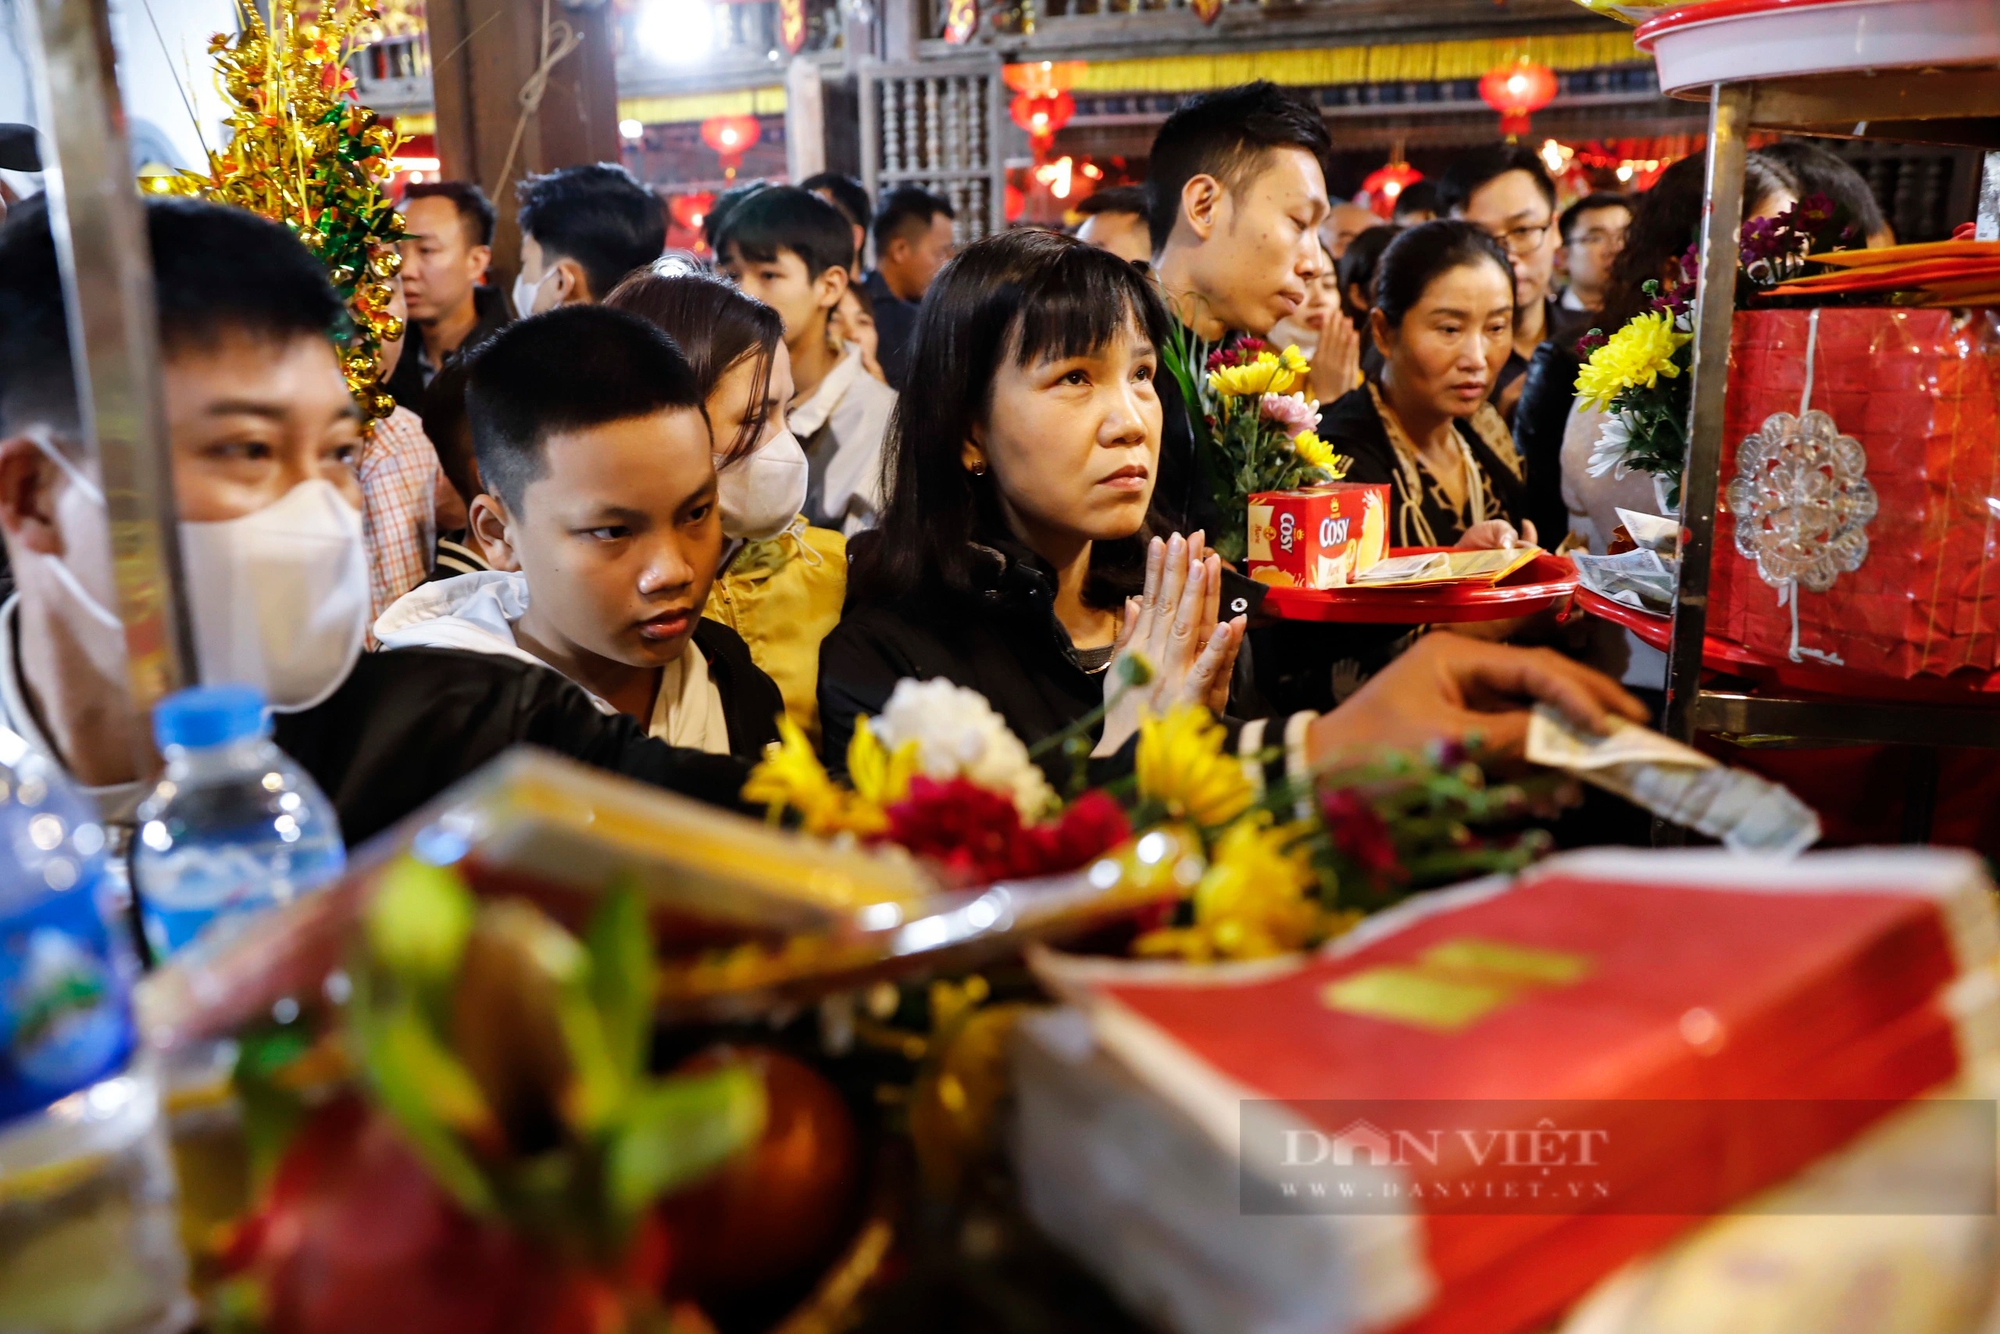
x: 1796, y: 995
x: 1920, y: 391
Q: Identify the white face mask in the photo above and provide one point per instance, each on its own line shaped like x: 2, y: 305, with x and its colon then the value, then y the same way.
x: 85, y: 573
x: 278, y: 599
x: 526, y: 294
x: 762, y: 492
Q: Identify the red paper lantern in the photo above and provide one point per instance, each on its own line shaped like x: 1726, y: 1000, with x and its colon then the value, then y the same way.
x: 731, y: 137
x: 1043, y: 76
x: 1517, y: 91
x: 1041, y: 115
x: 1385, y: 185
x: 691, y: 211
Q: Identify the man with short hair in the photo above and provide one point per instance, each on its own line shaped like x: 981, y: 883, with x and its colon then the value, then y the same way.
x: 913, y: 240
x: 850, y: 197
x: 1593, y: 232
x: 582, y: 230
x: 445, y: 254
x: 1506, y: 192
x: 1235, y: 198
x: 789, y: 248
x: 1344, y: 222
x: 1115, y: 219
x: 1417, y: 203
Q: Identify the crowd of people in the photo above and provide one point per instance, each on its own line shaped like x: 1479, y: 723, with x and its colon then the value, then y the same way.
x: 649, y: 506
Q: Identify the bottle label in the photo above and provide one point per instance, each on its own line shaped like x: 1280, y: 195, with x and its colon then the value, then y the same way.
x: 65, y: 1017
x: 209, y: 888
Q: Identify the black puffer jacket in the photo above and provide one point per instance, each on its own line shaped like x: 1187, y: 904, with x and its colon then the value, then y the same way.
x: 408, y: 723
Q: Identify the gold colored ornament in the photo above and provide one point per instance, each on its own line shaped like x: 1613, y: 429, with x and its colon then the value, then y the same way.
x: 303, y: 151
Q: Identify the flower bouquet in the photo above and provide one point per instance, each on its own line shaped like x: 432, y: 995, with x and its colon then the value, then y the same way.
x: 1640, y: 375
x: 1254, y: 428
x: 1261, y: 871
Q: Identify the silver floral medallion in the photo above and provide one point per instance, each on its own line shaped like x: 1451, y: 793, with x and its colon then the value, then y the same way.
x: 1802, y: 501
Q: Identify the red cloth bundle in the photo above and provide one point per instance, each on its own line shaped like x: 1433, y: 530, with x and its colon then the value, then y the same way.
x: 1920, y: 391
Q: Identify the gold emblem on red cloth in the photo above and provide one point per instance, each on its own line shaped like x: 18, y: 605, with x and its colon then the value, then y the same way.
x: 1453, y: 984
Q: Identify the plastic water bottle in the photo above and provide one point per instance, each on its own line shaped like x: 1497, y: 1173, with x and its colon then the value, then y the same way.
x: 234, y: 826
x: 88, y: 1237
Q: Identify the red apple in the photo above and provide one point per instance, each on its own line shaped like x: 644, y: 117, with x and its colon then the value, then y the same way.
x: 782, y: 1205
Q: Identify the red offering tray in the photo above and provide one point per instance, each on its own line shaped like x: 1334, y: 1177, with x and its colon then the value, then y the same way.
x: 1544, y: 583
x: 1721, y: 655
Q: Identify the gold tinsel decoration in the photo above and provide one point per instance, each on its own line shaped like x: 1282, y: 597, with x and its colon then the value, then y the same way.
x: 303, y: 151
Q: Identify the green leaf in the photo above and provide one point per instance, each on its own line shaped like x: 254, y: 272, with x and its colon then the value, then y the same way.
x: 427, y: 1091
x: 600, y: 1085
x: 621, y: 976
x: 679, y: 1130
x: 418, y: 922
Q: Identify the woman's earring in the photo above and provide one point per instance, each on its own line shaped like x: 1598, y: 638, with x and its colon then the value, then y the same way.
x: 979, y: 469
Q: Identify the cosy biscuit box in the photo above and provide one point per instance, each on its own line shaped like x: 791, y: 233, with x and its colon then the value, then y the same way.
x: 1318, y: 536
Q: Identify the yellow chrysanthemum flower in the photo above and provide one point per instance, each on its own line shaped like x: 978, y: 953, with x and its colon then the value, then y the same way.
x: 879, y: 775
x: 1267, y: 373
x: 1294, y: 360
x: 1182, y: 765
x: 790, y: 777
x: 1638, y: 354
x: 1256, y: 899
x: 1319, y: 454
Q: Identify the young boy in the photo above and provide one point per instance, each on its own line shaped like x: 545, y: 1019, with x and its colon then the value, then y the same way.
x: 599, y: 517
x: 258, y: 416
x: 1235, y: 198
x: 790, y: 249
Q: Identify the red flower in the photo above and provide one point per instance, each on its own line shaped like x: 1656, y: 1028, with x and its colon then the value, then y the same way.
x: 977, y: 835
x: 1092, y: 826
x: 1359, y: 833
x: 973, y: 831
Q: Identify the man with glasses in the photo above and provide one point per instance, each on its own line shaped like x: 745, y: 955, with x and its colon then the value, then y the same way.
x: 1505, y: 191
x: 1593, y: 232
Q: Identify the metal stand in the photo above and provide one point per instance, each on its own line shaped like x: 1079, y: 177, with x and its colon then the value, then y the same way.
x: 1935, y: 106
x: 99, y: 228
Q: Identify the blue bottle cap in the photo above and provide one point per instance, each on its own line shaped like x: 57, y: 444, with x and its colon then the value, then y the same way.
x: 203, y: 716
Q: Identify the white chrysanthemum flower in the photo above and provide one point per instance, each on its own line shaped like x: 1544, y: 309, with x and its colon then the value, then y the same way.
x: 959, y: 735
x: 1613, y: 439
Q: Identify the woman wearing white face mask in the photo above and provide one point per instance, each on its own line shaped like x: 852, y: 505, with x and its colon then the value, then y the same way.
x: 782, y: 587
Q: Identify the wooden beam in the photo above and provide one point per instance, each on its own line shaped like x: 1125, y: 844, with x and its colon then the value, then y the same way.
x: 485, y: 52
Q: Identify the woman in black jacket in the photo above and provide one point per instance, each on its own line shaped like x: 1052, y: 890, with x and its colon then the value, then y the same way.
x: 1423, y: 424
x: 1014, y: 555
x: 1443, y: 321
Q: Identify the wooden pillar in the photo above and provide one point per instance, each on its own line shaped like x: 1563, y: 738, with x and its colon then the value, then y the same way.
x: 484, y: 53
